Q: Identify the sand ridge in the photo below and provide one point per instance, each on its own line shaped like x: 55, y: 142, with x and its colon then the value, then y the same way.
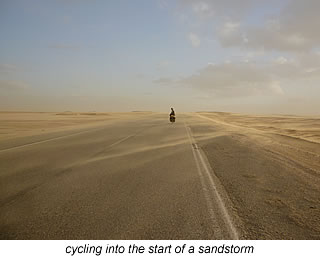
x: 303, y: 127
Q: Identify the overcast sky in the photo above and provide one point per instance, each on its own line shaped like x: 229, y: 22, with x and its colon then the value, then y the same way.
x: 248, y: 56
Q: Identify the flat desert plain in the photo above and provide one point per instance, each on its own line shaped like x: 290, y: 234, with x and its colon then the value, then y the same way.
x: 136, y: 176
x: 19, y: 124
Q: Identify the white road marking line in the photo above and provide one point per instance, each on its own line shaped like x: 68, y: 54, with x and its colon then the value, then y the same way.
x: 129, y: 136
x: 209, y: 202
x: 200, y: 161
x: 60, y: 137
x: 120, y: 141
x: 47, y: 140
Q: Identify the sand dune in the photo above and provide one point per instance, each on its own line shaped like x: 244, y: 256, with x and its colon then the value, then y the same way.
x: 307, y: 128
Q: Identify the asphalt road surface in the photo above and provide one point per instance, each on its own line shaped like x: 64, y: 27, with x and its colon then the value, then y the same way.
x: 149, y: 179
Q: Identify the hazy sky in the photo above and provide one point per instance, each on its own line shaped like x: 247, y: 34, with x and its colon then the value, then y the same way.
x: 252, y: 56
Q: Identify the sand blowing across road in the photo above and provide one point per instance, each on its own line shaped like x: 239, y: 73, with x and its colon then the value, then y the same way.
x: 18, y: 124
x: 270, y: 167
x: 137, y: 176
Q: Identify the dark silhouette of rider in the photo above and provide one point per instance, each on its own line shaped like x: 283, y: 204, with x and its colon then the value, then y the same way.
x: 172, y: 112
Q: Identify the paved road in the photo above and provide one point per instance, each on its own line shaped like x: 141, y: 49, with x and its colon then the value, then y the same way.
x: 143, y: 179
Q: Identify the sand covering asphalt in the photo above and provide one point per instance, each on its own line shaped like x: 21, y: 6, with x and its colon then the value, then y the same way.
x: 20, y: 124
x: 270, y: 168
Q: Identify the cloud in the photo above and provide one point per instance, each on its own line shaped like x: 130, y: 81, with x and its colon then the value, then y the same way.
x: 140, y: 76
x: 219, y: 8
x: 7, y: 67
x: 289, y: 26
x: 281, y: 60
x: 276, y: 88
x: 163, y: 3
x: 229, y: 28
x: 163, y: 65
x: 239, y: 79
x: 293, y: 29
x: 230, y: 79
x: 12, y: 85
x: 64, y: 46
x: 230, y: 33
x: 194, y: 39
x: 164, y: 81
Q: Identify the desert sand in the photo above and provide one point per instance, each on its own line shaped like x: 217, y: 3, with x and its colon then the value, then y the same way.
x: 19, y: 124
x: 137, y: 176
x: 302, y: 127
x: 270, y: 167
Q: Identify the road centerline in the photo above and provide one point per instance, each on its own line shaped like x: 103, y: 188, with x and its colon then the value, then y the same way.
x: 201, y: 164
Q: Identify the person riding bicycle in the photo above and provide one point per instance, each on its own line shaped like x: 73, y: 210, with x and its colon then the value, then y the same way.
x: 172, y: 112
x: 172, y: 116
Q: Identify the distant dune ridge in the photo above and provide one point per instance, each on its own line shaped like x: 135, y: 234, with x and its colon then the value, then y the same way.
x: 303, y: 127
x: 18, y: 124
